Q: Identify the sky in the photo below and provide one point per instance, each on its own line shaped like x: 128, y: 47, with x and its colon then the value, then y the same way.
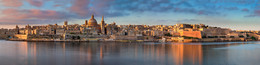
x: 234, y: 14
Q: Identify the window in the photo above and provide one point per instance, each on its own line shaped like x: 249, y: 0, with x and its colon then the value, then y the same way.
x: 241, y: 36
x: 211, y: 37
x: 204, y: 36
x: 222, y: 36
x: 232, y: 36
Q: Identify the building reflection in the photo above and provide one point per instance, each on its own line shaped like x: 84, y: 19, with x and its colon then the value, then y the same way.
x: 180, y: 54
x: 92, y: 53
x: 85, y: 53
x: 22, y: 49
x: 192, y: 54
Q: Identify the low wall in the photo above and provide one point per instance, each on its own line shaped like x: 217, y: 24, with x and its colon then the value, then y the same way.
x: 124, y: 37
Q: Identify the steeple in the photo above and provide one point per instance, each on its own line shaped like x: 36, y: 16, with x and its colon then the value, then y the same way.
x: 103, y: 26
x: 86, y: 22
x: 17, y: 27
x: 102, y: 21
x: 28, y: 26
x: 102, y: 18
x: 92, y: 16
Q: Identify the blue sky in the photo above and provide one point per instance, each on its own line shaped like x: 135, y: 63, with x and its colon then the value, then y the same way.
x: 234, y: 14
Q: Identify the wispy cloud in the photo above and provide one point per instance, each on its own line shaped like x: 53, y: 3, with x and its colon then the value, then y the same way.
x: 37, y: 3
x: 11, y: 3
x: 31, y: 16
x: 48, y: 10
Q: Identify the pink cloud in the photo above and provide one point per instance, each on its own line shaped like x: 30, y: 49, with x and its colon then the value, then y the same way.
x: 12, y: 3
x: 84, y: 8
x: 57, y: 5
x: 33, y: 15
x: 80, y: 7
x: 37, y: 3
x: 257, y: 12
x: 12, y: 13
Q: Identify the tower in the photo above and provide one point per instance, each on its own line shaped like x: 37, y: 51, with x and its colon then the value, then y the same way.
x: 86, y: 22
x: 28, y: 29
x: 102, y: 25
x: 17, y: 29
x: 102, y: 21
x: 65, y: 23
x: 28, y: 26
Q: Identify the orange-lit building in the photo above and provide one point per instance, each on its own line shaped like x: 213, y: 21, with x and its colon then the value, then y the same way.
x: 195, y: 34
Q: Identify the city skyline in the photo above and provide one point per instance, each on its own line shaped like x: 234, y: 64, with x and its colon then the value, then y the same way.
x: 234, y: 14
x: 129, y: 32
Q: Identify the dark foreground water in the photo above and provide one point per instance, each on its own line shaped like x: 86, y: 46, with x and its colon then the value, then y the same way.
x: 110, y: 53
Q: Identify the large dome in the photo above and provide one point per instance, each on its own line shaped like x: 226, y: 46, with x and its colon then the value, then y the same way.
x: 92, y: 21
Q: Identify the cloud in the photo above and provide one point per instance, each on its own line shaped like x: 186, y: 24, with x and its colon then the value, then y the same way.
x: 12, y: 3
x: 125, y: 7
x: 177, y: 21
x: 84, y: 8
x: 245, y: 10
x: 115, y: 8
x: 234, y: 1
x: 188, y: 20
x: 256, y: 13
x: 57, y: 5
x: 18, y: 3
x: 37, y: 3
x: 80, y: 7
x: 231, y: 8
x: 31, y: 16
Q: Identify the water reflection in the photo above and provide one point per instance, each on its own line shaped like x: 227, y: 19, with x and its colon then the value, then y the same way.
x: 111, y: 53
x: 192, y: 54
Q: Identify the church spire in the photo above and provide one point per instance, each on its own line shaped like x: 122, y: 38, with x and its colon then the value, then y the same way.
x: 92, y: 16
x: 103, y: 26
x: 102, y: 21
x: 102, y: 18
x: 86, y: 22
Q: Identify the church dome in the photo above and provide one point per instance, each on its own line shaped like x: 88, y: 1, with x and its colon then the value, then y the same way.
x: 92, y: 21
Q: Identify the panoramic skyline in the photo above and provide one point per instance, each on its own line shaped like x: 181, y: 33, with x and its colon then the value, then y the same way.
x: 234, y: 14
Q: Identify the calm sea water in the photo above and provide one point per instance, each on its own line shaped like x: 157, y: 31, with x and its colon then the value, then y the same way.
x: 111, y: 53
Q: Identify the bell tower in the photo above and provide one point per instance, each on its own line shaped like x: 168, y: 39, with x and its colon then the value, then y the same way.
x: 102, y: 25
x: 86, y: 22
